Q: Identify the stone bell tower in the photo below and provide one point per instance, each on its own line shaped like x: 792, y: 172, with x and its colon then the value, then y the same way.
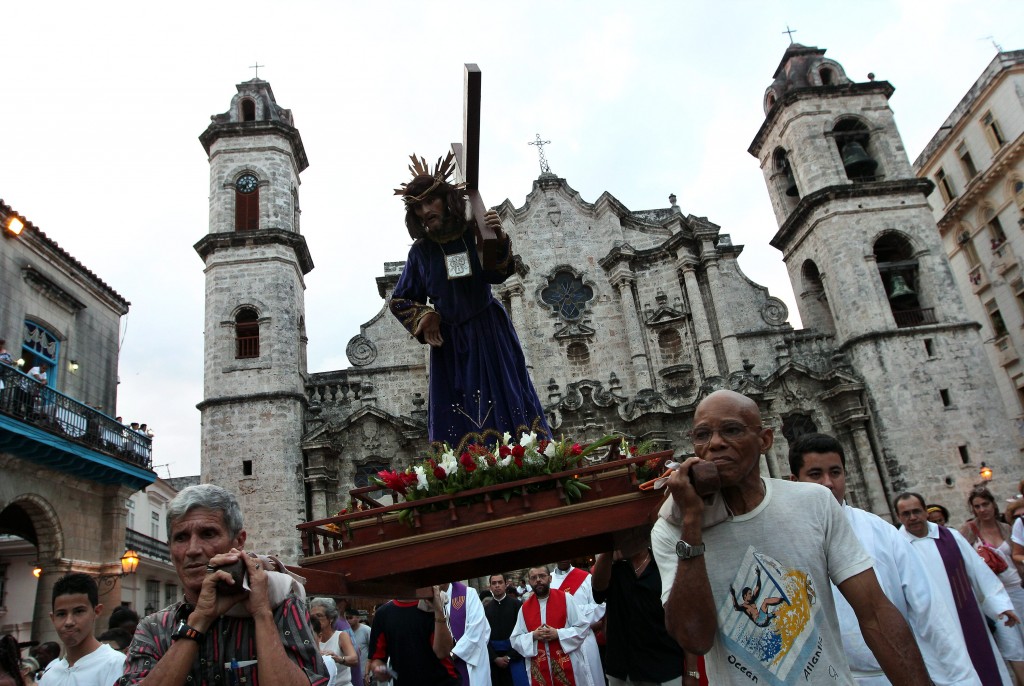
x: 255, y: 342
x: 866, y: 263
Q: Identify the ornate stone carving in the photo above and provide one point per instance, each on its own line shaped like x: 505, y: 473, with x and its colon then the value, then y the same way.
x: 774, y: 312
x: 361, y: 351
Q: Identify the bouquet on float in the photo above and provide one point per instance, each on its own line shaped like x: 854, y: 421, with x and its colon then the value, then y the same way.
x: 445, y: 471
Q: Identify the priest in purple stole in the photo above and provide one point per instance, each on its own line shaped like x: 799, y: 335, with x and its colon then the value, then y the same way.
x: 471, y: 632
x: 968, y: 587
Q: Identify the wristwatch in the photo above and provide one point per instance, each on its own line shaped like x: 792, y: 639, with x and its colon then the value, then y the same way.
x: 685, y: 551
x: 183, y: 630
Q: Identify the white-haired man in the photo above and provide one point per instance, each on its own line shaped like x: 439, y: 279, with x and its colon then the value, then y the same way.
x: 197, y: 641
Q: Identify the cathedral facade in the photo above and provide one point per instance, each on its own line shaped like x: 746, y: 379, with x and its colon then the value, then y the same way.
x: 627, y: 318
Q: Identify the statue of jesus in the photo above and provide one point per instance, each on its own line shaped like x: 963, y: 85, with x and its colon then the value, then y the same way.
x: 479, y: 385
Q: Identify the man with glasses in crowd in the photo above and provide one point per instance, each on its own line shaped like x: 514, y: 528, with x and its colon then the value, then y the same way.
x: 746, y: 573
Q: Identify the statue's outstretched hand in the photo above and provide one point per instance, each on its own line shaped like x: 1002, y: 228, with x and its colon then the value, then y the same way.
x: 430, y: 328
x: 494, y: 222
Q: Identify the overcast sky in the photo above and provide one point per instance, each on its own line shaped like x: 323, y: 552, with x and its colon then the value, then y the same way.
x: 103, y: 103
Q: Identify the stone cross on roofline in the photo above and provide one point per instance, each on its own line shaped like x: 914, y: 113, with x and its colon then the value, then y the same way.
x: 257, y: 68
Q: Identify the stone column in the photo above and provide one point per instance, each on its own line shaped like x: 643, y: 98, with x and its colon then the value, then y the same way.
x: 848, y: 412
x: 709, y: 258
x: 622, y: 280
x: 322, y: 477
x: 515, y: 289
x: 705, y: 346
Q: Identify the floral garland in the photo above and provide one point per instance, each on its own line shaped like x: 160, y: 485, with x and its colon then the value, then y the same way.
x: 443, y: 472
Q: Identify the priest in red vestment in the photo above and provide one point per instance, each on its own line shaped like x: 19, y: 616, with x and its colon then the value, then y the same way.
x: 549, y: 633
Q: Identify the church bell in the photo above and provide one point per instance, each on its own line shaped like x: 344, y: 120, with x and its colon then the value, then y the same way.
x: 791, y: 189
x: 899, y: 290
x: 856, y: 161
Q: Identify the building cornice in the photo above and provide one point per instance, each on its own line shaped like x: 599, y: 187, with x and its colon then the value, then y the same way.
x: 212, y: 242
x: 251, y: 397
x: 816, y: 93
x: 813, y: 201
x: 1007, y: 156
x: 249, y: 129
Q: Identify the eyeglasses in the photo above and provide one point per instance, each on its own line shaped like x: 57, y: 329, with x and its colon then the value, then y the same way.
x: 732, y: 431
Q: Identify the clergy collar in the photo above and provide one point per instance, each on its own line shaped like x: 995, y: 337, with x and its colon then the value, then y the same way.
x: 559, y: 572
x: 501, y: 598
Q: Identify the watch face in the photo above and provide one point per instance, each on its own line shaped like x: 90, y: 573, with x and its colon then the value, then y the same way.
x: 246, y: 184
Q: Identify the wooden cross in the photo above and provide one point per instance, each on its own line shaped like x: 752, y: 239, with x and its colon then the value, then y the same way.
x: 257, y: 68
x: 790, y: 32
x: 467, y: 159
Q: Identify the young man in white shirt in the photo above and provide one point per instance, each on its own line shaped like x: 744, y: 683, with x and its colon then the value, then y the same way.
x: 86, y: 661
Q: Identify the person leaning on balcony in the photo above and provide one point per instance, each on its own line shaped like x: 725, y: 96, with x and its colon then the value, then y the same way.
x: 5, y: 357
x: 257, y: 633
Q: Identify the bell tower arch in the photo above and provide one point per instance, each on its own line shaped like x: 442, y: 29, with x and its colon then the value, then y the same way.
x: 254, y: 364
x: 865, y: 259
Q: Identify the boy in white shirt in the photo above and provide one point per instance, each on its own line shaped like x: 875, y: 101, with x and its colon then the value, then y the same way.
x: 86, y: 661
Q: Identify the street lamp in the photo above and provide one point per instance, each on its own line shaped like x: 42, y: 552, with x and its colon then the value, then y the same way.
x: 985, y: 472
x: 129, y: 563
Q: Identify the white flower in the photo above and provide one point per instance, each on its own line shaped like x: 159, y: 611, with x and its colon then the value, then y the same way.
x: 421, y: 478
x: 507, y: 438
x: 528, y: 439
x: 447, y: 455
x: 505, y: 461
x: 481, y: 462
x: 549, y: 451
x: 450, y: 466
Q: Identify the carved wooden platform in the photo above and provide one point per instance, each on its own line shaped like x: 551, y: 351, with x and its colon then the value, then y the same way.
x: 372, y: 553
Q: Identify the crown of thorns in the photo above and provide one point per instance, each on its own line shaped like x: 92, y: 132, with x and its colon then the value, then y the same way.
x: 442, y: 170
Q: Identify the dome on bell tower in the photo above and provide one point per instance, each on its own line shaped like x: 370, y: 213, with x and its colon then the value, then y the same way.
x: 803, y: 67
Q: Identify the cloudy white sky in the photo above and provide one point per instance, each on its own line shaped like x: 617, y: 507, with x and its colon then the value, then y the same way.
x: 103, y: 103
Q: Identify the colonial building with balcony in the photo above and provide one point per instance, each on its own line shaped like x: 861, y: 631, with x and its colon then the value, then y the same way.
x: 68, y: 465
x: 976, y: 160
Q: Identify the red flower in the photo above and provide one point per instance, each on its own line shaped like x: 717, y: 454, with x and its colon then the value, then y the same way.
x: 542, y: 446
x: 633, y: 450
x: 517, y: 452
x: 468, y: 462
x: 504, y: 451
x: 518, y: 459
x: 576, y: 449
x: 396, y: 481
x: 439, y: 473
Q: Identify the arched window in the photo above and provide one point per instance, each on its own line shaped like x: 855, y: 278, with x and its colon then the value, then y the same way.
x: 40, y: 348
x: 670, y: 343
x: 784, y: 173
x: 248, y: 110
x: 854, y: 143
x: 247, y: 334
x: 247, y: 203
x: 826, y: 76
x: 578, y: 354
x: 796, y: 425
x: 898, y: 268
x: 370, y: 469
x: 1018, y: 193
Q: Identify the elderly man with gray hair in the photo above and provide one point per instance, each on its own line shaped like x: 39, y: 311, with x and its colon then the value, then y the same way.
x: 334, y: 644
x: 224, y: 632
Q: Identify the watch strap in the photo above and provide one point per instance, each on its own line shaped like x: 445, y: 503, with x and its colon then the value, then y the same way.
x: 183, y: 630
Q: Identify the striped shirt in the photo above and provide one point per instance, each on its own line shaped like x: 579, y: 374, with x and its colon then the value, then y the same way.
x: 229, y: 640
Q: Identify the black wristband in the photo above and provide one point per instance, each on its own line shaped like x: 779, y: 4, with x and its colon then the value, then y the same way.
x: 183, y: 630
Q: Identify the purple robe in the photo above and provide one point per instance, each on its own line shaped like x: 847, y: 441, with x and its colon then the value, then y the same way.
x: 478, y: 377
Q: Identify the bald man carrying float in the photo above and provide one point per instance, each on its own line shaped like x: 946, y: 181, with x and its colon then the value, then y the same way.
x: 746, y: 573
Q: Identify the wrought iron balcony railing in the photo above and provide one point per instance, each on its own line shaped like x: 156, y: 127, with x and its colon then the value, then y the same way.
x: 24, y: 398
x: 146, y: 546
